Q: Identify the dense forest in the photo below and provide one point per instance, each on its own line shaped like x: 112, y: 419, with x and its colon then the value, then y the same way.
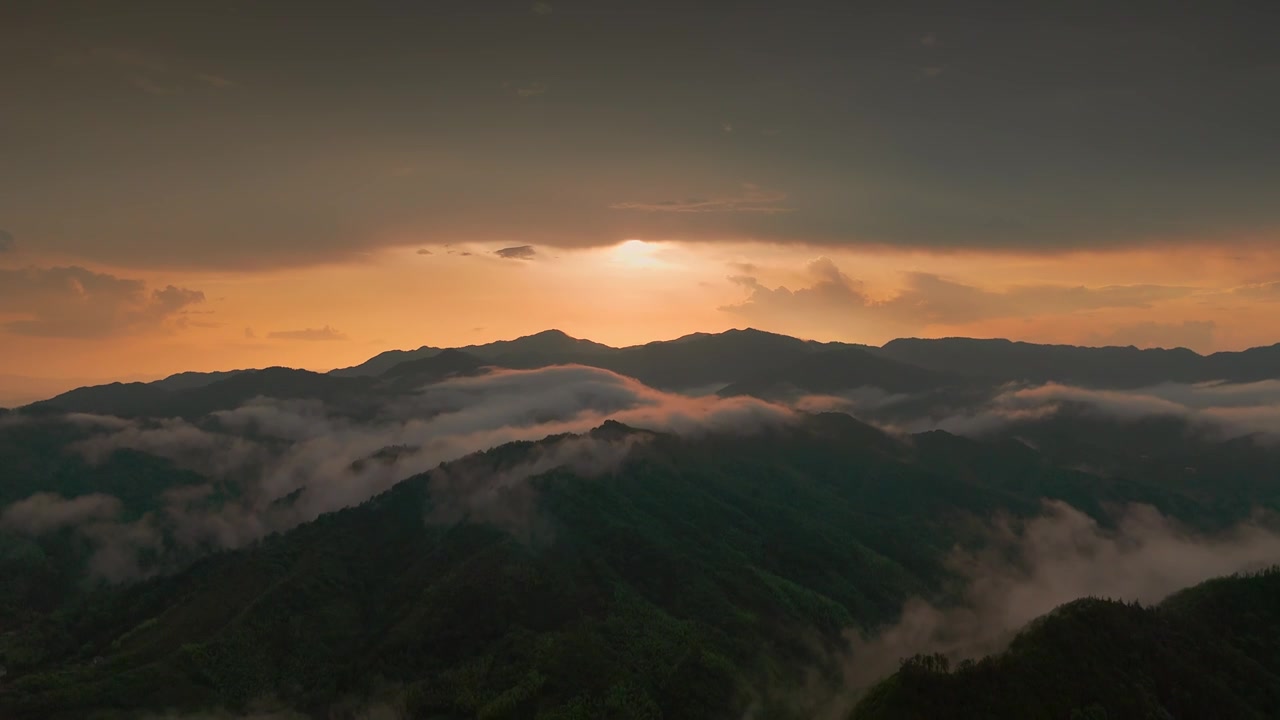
x: 720, y: 556
x: 1209, y: 651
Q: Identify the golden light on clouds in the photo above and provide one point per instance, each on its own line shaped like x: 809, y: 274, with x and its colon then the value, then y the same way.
x: 635, y: 253
x: 1208, y: 297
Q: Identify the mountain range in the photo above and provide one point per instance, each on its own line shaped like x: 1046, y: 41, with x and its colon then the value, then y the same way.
x: 720, y: 526
x: 735, y: 362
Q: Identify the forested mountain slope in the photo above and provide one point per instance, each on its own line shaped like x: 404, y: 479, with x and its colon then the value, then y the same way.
x: 1212, y: 651
x: 683, y: 581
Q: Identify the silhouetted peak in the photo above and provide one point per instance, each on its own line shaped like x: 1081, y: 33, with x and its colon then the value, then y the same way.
x: 613, y: 430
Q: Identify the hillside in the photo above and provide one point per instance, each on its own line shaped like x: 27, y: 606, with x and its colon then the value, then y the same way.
x: 734, y: 362
x: 460, y: 535
x: 740, y: 561
x: 1210, y: 651
x: 834, y: 371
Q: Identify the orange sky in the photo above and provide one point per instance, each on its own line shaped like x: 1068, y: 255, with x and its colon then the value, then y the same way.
x: 209, y: 188
x: 1208, y: 297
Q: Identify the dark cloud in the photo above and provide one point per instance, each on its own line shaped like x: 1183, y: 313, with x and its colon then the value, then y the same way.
x: 542, y: 8
x: 751, y: 200
x: 1046, y: 131
x: 216, y: 81
x: 533, y: 89
x: 424, y: 251
x: 834, y: 300
x: 317, y: 334
x: 522, y: 252
x: 75, y: 302
x: 7, y: 242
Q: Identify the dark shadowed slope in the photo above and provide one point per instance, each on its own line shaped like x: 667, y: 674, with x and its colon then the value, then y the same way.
x: 834, y: 371
x: 1118, y: 367
x: 673, y: 584
x: 384, y: 361
x: 1260, y: 363
x: 138, y: 399
x: 1209, y: 652
x: 756, y: 362
x: 702, y: 361
x: 693, y: 362
x: 549, y: 347
x: 414, y: 374
x: 192, y: 380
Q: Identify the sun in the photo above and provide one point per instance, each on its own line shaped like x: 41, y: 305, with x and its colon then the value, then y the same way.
x: 635, y: 253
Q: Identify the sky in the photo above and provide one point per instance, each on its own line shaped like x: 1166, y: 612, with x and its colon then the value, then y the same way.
x: 216, y: 185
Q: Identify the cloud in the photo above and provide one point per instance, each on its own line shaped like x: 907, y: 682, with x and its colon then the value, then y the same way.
x: 75, y: 302
x: 1224, y: 409
x: 7, y: 241
x: 316, y: 334
x: 1193, y: 334
x: 541, y: 8
x: 1029, y: 567
x: 152, y: 73
x: 44, y: 513
x: 751, y: 200
x: 118, y: 548
x: 151, y: 86
x: 216, y: 81
x: 894, y: 168
x: 521, y: 252
x: 284, y: 462
x: 532, y: 90
x: 1260, y: 291
x: 424, y: 251
x: 835, y: 300
x: 503, y: 497
x: 929, y: 39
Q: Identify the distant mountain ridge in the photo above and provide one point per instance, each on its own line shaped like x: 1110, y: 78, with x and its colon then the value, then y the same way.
x: 745, y: 361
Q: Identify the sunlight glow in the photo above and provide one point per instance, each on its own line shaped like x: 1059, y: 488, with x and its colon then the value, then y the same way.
x: 635, y: 253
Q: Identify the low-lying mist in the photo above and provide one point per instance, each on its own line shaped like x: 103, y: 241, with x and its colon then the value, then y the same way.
x: 1029, y: 567
x: 273, y: 464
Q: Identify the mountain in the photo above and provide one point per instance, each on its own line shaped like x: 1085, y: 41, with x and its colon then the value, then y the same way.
x: 754, y: 362
x: 700, y: 362
x: 682, y: 581
x: 413, y: 374
x: 550, y: 347
x: 1104, y: 367
x: 193, y: 380
x: 833, y: 371
x: 1260, y: 363
x: 384, y: 361
x: 1210, y: 651
x: 444, y: 539
x: 123, y: 399
x: 186, y: 398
